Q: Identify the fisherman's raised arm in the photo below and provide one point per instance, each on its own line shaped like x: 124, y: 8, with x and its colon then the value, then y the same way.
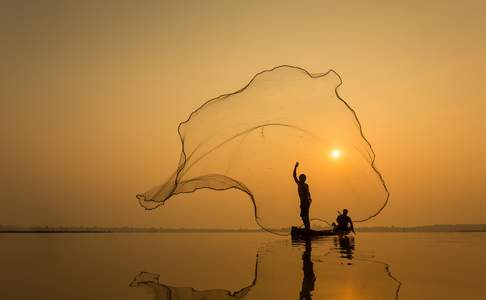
x: 295, y: 172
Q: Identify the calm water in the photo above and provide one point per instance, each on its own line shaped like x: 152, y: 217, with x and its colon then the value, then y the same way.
x: 242, y: 266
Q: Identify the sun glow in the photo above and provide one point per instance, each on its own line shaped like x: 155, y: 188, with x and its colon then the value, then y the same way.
x: 335, y: 154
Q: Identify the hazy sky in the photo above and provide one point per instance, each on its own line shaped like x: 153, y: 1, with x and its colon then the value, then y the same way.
x: 91, y: 93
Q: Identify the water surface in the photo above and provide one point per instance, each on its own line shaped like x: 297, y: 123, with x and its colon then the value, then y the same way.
x: 242, y: 266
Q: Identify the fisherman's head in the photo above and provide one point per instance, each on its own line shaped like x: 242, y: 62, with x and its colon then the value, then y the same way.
x: 302, y: 178
x: 345, y: 212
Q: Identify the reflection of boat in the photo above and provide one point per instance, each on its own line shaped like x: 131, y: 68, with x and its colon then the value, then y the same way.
x: 301, y: 232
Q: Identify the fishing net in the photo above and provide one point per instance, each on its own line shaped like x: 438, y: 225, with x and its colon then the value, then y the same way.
x: 250, y: 139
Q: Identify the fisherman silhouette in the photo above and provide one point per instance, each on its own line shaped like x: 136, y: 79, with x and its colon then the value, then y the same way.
x: 344, y: 223
x: 304, y: 195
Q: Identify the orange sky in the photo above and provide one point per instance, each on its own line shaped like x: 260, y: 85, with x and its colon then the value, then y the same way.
x: 91, y: 96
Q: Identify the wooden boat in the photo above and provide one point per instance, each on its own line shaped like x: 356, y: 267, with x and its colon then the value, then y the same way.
x: 301, y: 232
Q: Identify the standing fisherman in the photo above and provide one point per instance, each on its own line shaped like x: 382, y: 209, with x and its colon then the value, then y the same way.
x: 304, y: 195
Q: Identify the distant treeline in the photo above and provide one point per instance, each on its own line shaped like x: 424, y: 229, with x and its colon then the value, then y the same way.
x: 429, y: 228
x: 94, y: 229
x: 126, y: 229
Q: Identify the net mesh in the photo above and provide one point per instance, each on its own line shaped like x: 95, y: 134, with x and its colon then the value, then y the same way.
x: 250, y: 139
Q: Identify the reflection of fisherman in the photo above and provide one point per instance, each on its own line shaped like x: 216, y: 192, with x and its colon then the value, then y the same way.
x: 346, y: 246
x: 304, y: 195
x: 344, y: 223
x: 309, y: 276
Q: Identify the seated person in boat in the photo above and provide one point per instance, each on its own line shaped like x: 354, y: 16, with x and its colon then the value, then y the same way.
x: 344, y: 223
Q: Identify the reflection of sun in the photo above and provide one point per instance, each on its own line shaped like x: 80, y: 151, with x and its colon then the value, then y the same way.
x: 335, y: 153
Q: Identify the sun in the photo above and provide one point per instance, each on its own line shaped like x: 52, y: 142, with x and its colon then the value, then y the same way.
x: 335, y: 154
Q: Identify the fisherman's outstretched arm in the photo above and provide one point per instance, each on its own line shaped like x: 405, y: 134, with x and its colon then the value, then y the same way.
x: 352, y: 226
x: 295, y: 172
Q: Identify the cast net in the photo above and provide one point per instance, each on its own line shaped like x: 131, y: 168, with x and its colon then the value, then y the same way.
x: 250, y: 139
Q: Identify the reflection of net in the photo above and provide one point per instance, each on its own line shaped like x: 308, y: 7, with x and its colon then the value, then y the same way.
x: 162, y: 291
x: 327, y: 272
x: 249, y: 140
x: 166, y: 292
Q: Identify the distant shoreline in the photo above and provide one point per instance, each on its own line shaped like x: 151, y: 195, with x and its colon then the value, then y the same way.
x: 429, y: 228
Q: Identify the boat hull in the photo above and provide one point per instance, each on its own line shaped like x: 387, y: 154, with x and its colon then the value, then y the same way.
x: 301, y: 232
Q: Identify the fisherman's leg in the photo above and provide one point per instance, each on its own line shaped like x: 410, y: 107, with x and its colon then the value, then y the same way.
x: 307, y: 223
x: 305, y: 219
x: 302, y: 216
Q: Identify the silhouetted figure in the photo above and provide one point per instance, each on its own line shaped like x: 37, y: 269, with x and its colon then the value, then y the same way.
x: 344, y: 223
x: 308, y: 268
x: 304, y: 195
